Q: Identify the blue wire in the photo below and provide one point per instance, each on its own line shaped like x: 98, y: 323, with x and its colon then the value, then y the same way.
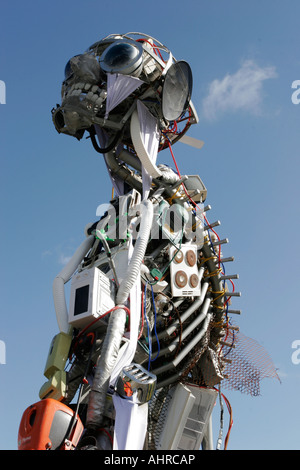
x: 148, y: 329
x: 158, y: 345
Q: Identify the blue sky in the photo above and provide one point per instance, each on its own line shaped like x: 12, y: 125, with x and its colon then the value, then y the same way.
x: 244, y: 57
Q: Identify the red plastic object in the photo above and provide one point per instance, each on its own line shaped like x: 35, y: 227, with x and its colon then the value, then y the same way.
x: 45, y: 426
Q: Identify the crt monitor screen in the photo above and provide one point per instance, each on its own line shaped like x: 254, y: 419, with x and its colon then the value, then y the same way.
x: 81, y: 300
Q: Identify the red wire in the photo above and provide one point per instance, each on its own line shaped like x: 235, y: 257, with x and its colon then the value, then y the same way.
x: 230, y: 418
x: 99, y: 318
x: 230, y: 421
x: 154, y: 46
x: 175, y: 163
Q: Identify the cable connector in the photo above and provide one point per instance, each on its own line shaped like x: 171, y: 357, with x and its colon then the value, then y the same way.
x: 156, y: 274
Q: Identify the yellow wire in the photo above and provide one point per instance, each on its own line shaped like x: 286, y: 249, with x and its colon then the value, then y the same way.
x: 204, y: 260
x: 213, y: 273
x: 173, y: 197
x: 219, y: 296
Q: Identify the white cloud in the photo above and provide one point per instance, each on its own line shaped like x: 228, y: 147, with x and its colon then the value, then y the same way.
x: 239, y: 91
x: 63, y: 259
x: 58, y: 254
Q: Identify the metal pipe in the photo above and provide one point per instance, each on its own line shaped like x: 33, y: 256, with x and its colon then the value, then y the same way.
x: 220, y: 242
x: 192, y: 326
x: 130, y: 159
x: 123, y: 172
x: 188, y: 347
x: 229, y: 276
x: 196, y: 304
x: 214, y: 224
x: 200, y: 273
x: 194, y: 341
x: 225, y: 260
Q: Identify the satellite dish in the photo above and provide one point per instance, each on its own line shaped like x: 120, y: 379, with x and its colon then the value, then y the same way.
x: 177, y: 90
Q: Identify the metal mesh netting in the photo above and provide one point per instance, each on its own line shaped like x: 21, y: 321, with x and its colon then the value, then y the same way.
x: 240, y: 365
x: 158, y: 410
x: 247, y: 363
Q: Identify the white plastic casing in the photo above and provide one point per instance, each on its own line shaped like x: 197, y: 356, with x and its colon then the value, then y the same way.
x: 188, y: 414
x: 92, y: 295
x: 184, y: 271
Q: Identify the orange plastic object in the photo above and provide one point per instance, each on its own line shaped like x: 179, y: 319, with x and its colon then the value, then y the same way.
x: 45, y: 426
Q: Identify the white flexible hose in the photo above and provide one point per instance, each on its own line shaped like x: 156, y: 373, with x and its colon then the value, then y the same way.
x: 116, y: 324
x: 138, y: 253
x: 62, y: 278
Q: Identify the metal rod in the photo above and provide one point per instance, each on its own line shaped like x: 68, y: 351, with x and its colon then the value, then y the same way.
x: 214, y: 224
x: 229, y: 276
x: 220, y: 242
x: 232, y: 294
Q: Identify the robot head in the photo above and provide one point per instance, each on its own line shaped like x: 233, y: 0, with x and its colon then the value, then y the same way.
x: 122, y: 86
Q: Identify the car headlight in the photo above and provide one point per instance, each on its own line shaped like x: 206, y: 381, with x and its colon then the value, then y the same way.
x: 125, y: 57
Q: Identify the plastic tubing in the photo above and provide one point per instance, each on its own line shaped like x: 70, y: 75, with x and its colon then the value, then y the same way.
x: 62, y: 278
x: 104, y: 368
x: 116, y: 325
x: 138, y: 253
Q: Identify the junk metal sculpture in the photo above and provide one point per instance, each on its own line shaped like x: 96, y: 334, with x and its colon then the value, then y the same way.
x: 144, y: 346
